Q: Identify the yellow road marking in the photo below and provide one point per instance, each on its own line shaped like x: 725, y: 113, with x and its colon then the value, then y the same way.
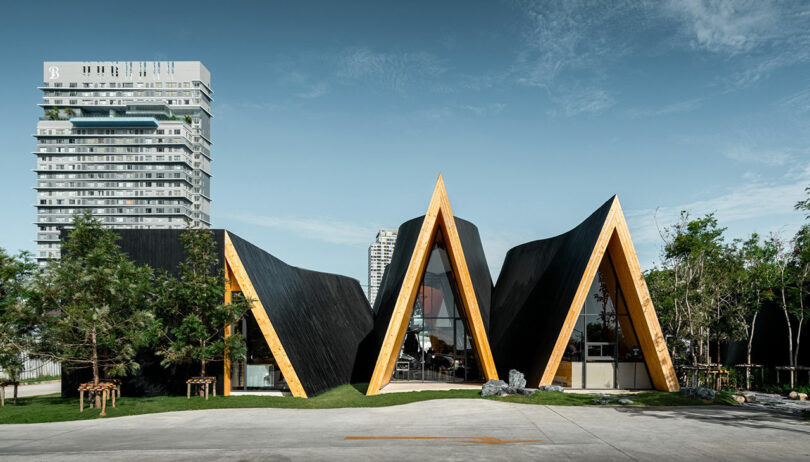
x: 459, y: 439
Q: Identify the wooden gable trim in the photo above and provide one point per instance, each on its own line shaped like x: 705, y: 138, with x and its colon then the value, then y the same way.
x: 439, y: 216
x: 615, y: 239
x: 241, y: 278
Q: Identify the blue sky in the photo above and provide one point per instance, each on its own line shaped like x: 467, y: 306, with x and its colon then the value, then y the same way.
x: 333, y: 119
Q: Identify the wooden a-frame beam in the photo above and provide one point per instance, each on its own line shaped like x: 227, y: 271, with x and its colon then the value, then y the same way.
x: 240, y: 276
x: 439, y: 216
x: 615, y: 239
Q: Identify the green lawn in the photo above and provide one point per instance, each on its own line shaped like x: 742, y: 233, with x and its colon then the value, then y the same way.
x: 52, y: 408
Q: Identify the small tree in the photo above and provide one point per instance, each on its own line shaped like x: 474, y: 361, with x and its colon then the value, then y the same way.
x: 801, y: 279
x: 187, y: 119
x: 94, y: 303
x: 193, y: 310
x: 16, y: 322
x: 53, y: 114
x: 70, y: 112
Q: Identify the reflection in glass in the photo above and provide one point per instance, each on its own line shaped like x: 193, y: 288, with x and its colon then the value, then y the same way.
x: 258, y: 369
x: 603, y: 351
x: 437, y: 345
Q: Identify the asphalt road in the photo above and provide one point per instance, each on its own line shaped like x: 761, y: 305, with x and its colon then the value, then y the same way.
x: 461, y: 430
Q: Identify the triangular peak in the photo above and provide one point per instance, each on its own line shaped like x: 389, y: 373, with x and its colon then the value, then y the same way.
x: 612, y: 289
x: 438, y: 229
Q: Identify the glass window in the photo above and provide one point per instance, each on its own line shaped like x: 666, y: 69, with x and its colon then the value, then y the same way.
x: 437, y: 344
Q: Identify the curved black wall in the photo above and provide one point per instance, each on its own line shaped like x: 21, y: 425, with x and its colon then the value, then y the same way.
x: 395, y: 272
x: 534, y: 291
x: 321, y: 319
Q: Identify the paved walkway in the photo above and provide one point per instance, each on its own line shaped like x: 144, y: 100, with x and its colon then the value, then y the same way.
x: 461, y: 430
x: 36, y: 389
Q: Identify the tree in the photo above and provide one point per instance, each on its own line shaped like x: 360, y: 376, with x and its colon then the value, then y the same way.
x: 70, y: 112
x: 187, y: 119
x: 692, y: 247
x: 192, y: 307
x: 758, y: 276
x: 801, y: 279
x: 94, y: 303
x: 16, y: 322
x: 53, y: 114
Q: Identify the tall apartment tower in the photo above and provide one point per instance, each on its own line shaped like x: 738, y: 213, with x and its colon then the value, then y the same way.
x: 128, y: 140
x: 379, y: 256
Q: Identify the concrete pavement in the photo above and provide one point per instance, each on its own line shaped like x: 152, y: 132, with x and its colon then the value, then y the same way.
x: 552, y: 432
x: 36, y: 389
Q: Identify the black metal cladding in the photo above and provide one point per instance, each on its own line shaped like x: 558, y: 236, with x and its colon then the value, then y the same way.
x: 533, y: 294
x: 322, y: 320
x: 394, y: 274
x: 162, y: 249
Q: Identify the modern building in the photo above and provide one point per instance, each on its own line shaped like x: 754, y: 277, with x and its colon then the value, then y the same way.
x: 572, y: 310
x: 379, y: 256
x: 129, y: 141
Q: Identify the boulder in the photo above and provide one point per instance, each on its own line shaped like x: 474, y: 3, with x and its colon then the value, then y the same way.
x: 550, y: 388
x: 750, y: 397
x: 516, y: 379
x: 793, y: 395
x: 503, y: 393
x: 802, y: 396
x: 706, y: 394
x: 493, y: 387
x: 600, y: 401
x: 525, y: 391
x: 740, y: 399
x: 624, y: 401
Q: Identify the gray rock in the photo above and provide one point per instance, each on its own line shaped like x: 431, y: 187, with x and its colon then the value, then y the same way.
x: 493, y: 387
x: 516, y: 379
x: 699, y: 393
x: 624, y: 401
x: 600, y: 401
x: 550, y: 388
x: 525, y: 391
x: 503, y: 393
x: 750, y: 397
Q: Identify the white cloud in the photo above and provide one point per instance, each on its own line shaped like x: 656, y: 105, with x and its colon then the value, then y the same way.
x: 395, y: 69
x: 679, y: 107
x: 326, y: 230
x: 749, y: 201
x: 746, y: 154
x: 485, y: 109
x: 315, y: 91
x: 578, y: 100
x: 727, y: 26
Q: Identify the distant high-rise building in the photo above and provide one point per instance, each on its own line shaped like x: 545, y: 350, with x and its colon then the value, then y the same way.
x: 379, y: 256
x: 129, y: 141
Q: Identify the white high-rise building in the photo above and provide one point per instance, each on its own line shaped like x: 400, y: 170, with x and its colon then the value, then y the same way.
x: 379, y: 256
x: 128, y: 140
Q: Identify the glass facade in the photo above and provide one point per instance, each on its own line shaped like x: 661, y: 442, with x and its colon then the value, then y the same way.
x: 258, y: 369
x: 603, y: 351
x: 437, y: 345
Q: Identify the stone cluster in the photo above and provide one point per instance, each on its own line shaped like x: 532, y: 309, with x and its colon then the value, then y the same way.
x: 699, y: 393
x: 606, y: 399
x: 797, y: 396
x: 516, y: 386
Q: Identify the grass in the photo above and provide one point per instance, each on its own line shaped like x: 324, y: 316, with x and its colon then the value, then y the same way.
x: 44, y: 378
x: 52, y: 408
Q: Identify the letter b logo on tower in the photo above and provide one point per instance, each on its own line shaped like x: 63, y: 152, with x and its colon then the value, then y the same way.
x: 54, y: 70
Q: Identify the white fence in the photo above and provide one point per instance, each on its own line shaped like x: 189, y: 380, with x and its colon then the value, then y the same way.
x: 34, y: 368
